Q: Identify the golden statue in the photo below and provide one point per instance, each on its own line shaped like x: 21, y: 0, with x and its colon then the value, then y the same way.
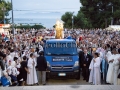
x: 59, y: 29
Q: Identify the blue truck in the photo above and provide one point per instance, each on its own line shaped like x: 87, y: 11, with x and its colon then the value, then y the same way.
x: 62, y: 58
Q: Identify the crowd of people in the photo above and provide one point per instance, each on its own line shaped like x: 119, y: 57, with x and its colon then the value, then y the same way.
x: 99, y: 56
x: 22, y: 61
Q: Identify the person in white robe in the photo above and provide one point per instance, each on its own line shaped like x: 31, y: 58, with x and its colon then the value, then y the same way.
x: 110, y: 59
x: 26, y: 53
x: 36, y: 54
x: 116, y: 65
x: 9, y: 58
x: 119, y: 72
x: 95, y: 76
x: 40, y: 48
x: 32, y: 75
x: 91, y: 72
x: 107, y: 54
x: 12, y: 54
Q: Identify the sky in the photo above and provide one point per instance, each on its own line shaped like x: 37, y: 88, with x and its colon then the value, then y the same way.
x: 43, y: 9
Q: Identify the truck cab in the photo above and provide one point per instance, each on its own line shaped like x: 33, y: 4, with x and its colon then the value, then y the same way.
x: 62, y: 58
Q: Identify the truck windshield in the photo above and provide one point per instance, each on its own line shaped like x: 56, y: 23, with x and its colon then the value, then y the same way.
x: 60, y: 49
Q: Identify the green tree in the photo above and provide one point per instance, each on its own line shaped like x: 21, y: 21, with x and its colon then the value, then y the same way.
x: 53, y: 26
x: 29, y: 26
x: 38, y: 26
x: 80, y: 21
x: 116, y: 11
x: 99, y: 12
x: 5, y: 7
x: 67, y: 18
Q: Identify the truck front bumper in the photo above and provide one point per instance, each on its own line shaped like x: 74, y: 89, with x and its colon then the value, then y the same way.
x: 62, y: 74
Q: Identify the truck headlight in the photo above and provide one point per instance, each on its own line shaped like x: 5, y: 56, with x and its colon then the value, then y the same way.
x: 76, y: 63
x: 48, y: 64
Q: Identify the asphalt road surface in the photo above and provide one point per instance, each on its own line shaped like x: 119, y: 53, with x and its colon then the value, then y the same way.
x: 66, y: 82
x: 60, y: 81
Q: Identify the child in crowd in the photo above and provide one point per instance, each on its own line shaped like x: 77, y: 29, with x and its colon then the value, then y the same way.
x: 13, y: 72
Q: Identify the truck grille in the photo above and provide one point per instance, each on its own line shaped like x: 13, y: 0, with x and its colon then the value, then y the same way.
x: 62, y: 67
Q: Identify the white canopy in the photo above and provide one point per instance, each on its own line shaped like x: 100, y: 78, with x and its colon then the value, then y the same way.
x: 114, y: 27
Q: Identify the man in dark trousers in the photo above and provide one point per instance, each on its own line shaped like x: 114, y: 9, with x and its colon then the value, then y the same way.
x: 81, y: 54
x: 42, y: 66
x: 85, y: 65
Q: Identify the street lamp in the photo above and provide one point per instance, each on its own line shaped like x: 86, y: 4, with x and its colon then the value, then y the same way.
x: 72, y: 20
x: 12, y: 18
x: 3, y: 9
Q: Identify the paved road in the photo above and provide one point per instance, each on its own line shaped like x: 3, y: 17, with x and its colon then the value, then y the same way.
x: 66, y: 82
x: 69, y: 82
x: 65, y: 87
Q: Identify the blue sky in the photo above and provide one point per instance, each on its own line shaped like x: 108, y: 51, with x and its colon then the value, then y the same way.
x: 44, y: 8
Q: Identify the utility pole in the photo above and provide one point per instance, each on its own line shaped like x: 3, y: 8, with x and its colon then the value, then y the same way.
x: 12, y: 19
x: 112, y: 16
x: 72, y: 21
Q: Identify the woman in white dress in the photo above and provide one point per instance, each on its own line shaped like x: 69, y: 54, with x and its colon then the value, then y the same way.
x: 95, y: 76
x: 32, y: 75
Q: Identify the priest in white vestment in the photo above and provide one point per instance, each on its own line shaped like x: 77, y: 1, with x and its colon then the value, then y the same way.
x: 119, y: 72
x: 110, y: 59
x: 32, y: 75
x: 95, y: 76
x: 116, y: 65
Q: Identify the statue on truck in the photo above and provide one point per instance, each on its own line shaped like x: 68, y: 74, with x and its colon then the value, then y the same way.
x: 59, y: 30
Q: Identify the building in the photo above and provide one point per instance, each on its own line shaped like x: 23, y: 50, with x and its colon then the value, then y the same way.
x: 5, y: 29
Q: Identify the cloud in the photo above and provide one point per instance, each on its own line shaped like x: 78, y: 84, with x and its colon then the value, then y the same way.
x: 46, y: 4
x: 44, y: 9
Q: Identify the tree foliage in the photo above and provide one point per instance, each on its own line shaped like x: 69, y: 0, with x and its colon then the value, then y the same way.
x: 8, y: 7
x: 67, y: 18
x: 94, y: 14
x: 30, y: 26
x: 79, y: 21
x: 99, y: 12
